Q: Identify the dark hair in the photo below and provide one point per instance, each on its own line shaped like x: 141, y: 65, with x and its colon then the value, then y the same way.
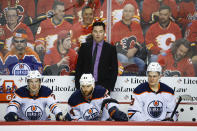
x: 99, y: 23
x: 180, y: 42
x: 84, y: 8
x: 164, y: 7
x: 56, y: 3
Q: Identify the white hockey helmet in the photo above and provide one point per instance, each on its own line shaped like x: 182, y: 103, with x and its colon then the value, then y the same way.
x: 33, y: 74
x: 154, y: 67
x: 87, y: 79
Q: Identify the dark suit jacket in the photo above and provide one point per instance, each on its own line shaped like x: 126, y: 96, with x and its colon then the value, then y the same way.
x: 107, y: 68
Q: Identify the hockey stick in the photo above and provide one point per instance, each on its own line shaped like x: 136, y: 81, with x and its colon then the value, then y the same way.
x: 182, y: 97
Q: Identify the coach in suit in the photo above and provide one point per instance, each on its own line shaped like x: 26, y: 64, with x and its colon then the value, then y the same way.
x: 99, y: 58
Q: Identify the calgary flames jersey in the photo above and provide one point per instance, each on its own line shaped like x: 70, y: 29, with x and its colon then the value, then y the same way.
x: 33, y: 108
x: 182, y: 68
x: 8, y: 35
x: 16, y: 65
x: 147, y: 105
x: 191, y: 33
x: 47, y: 32
x: 158, y: 38
x: 121, y: 33
x: 53, y: 57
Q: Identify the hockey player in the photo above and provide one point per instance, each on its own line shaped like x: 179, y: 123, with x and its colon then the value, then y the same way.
x: 93, y: 103
x: 30, y: 101
x: 152, y: 100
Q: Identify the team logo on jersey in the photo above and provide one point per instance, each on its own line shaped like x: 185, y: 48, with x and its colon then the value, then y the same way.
x: 20, y: 69
x: 126, y: 42
x: 91, y: 114
x: 34, y: 113
x: 169, y: 73
x: 155, y: 109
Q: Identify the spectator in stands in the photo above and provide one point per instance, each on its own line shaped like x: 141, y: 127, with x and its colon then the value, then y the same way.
x: 31, y: 100
x: 61, y: 60
x: 117, y: 8
x: 13, y: 24
x: 161, y: 35
x: 81, y: 30
x: 186, y: 13
x: 152, y: 100
x: 1, y: 57
x: 176, y: 62
x: 48, y: 30
x: 21, y: 59
x: 99, y: 58
x: 128, y: 37
x: 150, y: 11
x: 191, y: 36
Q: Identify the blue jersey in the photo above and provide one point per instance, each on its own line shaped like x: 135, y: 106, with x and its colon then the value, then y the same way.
x: 21, y: 66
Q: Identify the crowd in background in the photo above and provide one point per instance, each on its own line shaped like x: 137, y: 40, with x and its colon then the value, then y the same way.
x: 46, y: 35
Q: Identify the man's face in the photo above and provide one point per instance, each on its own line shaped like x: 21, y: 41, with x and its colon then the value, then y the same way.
x: 67, y: 43
x: 59, y: 12
x: 98, y: 33
x: 181, y: 52
x: 128, y: 12
x: 19, y: 43
x: 164, y: 16
x: 88, y: 16
x: 153, y: 78
x: 11, y: 17
x: 34, y: 85
x: 87, y: 89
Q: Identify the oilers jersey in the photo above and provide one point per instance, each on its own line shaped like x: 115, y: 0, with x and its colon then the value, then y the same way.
x: 86, y: 110
x: 33, y: 108
x: 147, y: 105
x: 16, y: 65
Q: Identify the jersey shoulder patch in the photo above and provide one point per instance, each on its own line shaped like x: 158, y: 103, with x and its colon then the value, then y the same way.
x: 166, y: 88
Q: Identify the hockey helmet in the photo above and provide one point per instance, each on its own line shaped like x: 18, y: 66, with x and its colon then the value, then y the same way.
x: 87, y: 79
x: 33, y: 74
x: 155, y: 67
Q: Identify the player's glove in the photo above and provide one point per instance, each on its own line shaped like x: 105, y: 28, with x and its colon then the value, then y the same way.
x: 168, y: 119
x: 117, y: 115
x: 59, y: 116
x: 11, y: 116
x: 67, y: 117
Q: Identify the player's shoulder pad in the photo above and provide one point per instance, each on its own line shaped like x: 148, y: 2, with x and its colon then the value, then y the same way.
x: 44, y: 91
x: 166, y: 88
x: 76, y: 98
x: 22, y: 91
x: 144, y: 87
x: 99, y: 91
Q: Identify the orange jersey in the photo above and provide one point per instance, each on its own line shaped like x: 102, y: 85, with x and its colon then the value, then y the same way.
x: 47, y: 32
x: 53, y: 57
x: 150, y: 6
x: 8, y: 35
x: 170, y: 67
x: 158, y: 38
